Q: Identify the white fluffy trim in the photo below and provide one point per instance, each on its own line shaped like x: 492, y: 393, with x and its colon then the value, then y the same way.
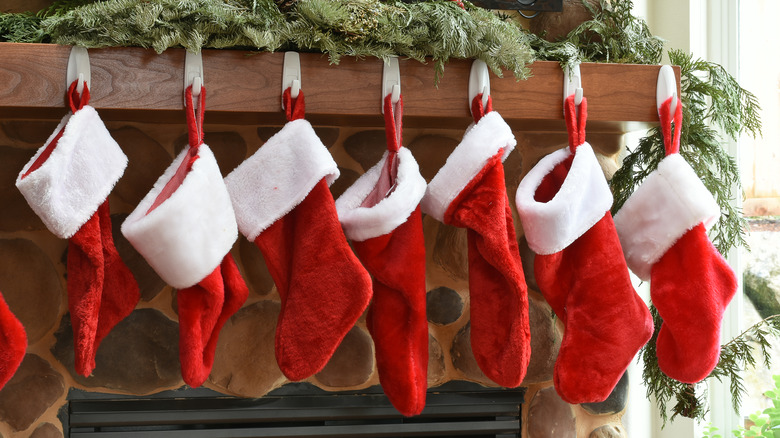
x: 278, y: 177
x: 362, y: 223
x: 671, y: 201
x: 480, y: 142
x: 67, y: 189
x: 582, y: 200
x: 186, y: 237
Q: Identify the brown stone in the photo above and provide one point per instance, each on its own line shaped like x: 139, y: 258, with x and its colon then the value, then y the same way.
x: 327, y: 134
x: 463, y: 358
x: 608, y: 431
x: 15, y: 214
x: 149, y: 283
x: 550, y: 417
x: 513, y: 169
x: 527, y: 257
x: 450, y: 250
x: 352, y: 363
x: 147, y: 160
x: 266, y: 132
x: 33, y: 132
x: 545, y: 342
x: 30, y: 392
x: 608, y: 165
x: 245, y: 363
x: 31, y: 286
x: 255, y: 270
x: 140, y: 355
x: 431, y: 152
x: 46, y: 430
x: 444, y: 305
x: 366, y: 147
x: 436, y: 367
x: 229, y: 148
x: 616, y: 401
x: 346, y: 178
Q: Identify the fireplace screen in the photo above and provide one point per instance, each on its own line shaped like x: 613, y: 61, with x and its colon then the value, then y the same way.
x: 296, y: 410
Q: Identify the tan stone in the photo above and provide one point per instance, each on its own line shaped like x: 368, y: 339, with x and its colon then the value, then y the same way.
x: 550, y: 417
x: 608, y: 165
x: 149, y: 283
x: 346, y: 178
x: 463, y: 358
x: 431, y: 152
x: 46, y: 430
x: 450, y: 249
x: 15, y: 214
x: 30, y: 392
x: 245, y: 363
x: 436, y: 367
x: 353, y: 362
x: 140, y: 355
x: 608, y: 431
x: 31, y: 286
x: 255, y: 270
x: 366, y: 147
x: 147, y: 160
x: 545, y: 342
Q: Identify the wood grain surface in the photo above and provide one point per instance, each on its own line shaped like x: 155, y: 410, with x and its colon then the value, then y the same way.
x: 244, y: 88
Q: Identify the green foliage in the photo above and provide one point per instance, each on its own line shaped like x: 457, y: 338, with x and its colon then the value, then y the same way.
x: 766, y: 423
x: 735, y: 356
x: 614, y: 34
x: 24, y: 28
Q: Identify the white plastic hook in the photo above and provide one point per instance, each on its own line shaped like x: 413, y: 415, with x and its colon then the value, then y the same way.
x: 667, y: 87
x: 291, y: 74
x: 572, y: 83
x: 193, y: 73
x: 79, y: 69
x: 479, y: 82
x: 391, y: 81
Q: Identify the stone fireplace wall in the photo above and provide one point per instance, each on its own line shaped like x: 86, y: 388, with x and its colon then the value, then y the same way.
x: 141, y: 355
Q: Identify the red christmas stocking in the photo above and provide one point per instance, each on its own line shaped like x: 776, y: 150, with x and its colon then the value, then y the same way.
x: 564, y: 204
x: 282, y: 203
x: 67, y: 183
x: 185, y: 227
x: 663, y: 229
x: 380, y: 213
x: 469, y: 192
x: 13, y: 343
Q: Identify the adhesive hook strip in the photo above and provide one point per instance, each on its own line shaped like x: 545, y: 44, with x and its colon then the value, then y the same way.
x: 79, y: 69
x: 572, y: 83
x: 193, y: 72
x: 291, y: 74
x: 666, y: 88
x: 391, y: 81
x: 479, y: 82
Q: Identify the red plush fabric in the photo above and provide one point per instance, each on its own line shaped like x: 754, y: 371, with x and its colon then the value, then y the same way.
x: 203, y: 311
x: 500, y: 332
x: 13, y: 343
x: 323, y: 287
x: 120, y: 290
x: 588, y: 286
x: 691, y: 285
x: 396, y: 319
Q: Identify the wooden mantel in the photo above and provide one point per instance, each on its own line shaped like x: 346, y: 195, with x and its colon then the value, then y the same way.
x: 243, y: 87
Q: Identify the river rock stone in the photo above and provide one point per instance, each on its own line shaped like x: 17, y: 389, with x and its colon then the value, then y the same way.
x: 527, y: 257
x: 550, y: 417
x: 46, y: 430
x: 31, y: 286
x: 450, y: 250
x: 30, y: 392
x: 347, y: 177
x: 245, y: 362
x: 431, y: 152
x: 140, y: 355
x: 15, y: 214
x: 33, y: 132
x: 545, y: 342
x: 149, y: 283
x: 444, y: 305
x: 147, y: 160
x: 463, y: 358
x: 366, y: 147
x: 436, y: 367
x: 255, y: 270
x: 352, y: 363
x: 608, y: 431
x: 616, y: 401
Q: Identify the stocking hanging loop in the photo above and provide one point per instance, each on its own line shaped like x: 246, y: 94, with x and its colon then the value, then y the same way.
x: 77, y: 99
x: 195, y: 107
x: 393, y: 122
x: 669, y: 109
